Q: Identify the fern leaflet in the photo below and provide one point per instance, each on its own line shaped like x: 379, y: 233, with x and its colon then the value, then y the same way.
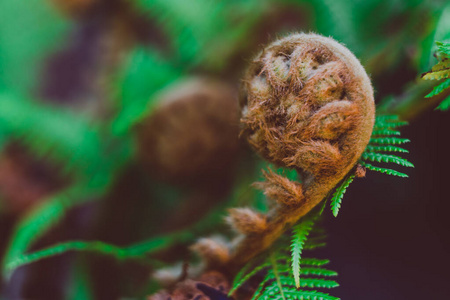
x: 440, y: 71
x: 282, y: 269
x: 444, y: 48
x: 445, y: 104
x: 300, y: 234
x: 387, y: 148
x: 388, y: 141
x: 439, y: 89
x: 379, y: 132
x: 40, y: 219
x: 371, y: 156
x: 339, y: 194
x: 383, y: 141
x: 383, y: 170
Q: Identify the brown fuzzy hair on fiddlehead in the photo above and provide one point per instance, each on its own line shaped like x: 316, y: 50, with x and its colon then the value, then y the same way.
x: 307, y: 104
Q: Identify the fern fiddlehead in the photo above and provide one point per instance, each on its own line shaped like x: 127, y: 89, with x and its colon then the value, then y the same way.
x: 307, y: 104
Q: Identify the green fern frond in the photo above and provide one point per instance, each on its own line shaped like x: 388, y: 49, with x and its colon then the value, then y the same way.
x: 444, y: 48
x: 389, y: 141
x: 440, y: 71
x: 377, y: 145
x: 389, y: 125
x: 136, y: 251
x: 444, y: 64
x: 32, y: 228
x: 245, y: 274
x: 444, y: 105
x: 312, y: 246
x: 371, y: 156
x: 145, y: 74
x: 387, y: 148
x: 383, y: 119
x: 44, y: 216
x: 388, y: 122
x: 318, y: 272
x: 282, y: 269
x: 96, y: 247
x: 309, y: 282
x: 82, y: 148
x: 437, y: 75
x: 315, y: 241
x: 314, y: 262
x: 339, y: 194
x: 383, y: 139
x: 383, y: 170
x: 188, y: 25
x: 439, y: 89
x: 72, y: 141
x: 307, y: 295
x: 299, y: 236
x: 318, y: 283
x: 379, y: 132
x: 203, y: 30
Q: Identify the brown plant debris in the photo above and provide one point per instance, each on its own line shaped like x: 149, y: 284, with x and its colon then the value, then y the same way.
x: 211, y: 285
x: 213, y: 251
x: 247, y: 220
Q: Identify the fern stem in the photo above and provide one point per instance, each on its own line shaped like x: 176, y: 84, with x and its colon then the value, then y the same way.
x: 277, y: 276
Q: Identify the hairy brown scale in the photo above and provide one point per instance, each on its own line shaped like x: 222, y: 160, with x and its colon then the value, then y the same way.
x: 307, y: 103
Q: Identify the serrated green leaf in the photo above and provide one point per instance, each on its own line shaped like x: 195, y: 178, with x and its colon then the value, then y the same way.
x: 318, y: 283
x: 299, y: 236
x: 318, y: 272
x: 383, y: 170
x: 243, y: 276
x: 308, y: 295
x: 339, y: 194
x: 314, y: 262
x: 444, y: 48
x: 444, y: 73
x: 379, y: 132
x: 441, y: 65
x: 382, y: 119
x: 276, y: 274
x: 279, y: 265
x: 145, y: 74
x: 387, y: 125
x: 312, y: 246
x: 96, y: 246
x: 388, y: 140
x: 439, y: 89
x: 445, y: 104
x: 387, y: 148
x: 378, y: 157
x: 44, y: 216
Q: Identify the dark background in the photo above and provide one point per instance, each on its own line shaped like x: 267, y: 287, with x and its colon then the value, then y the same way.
x: 391, y: 239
